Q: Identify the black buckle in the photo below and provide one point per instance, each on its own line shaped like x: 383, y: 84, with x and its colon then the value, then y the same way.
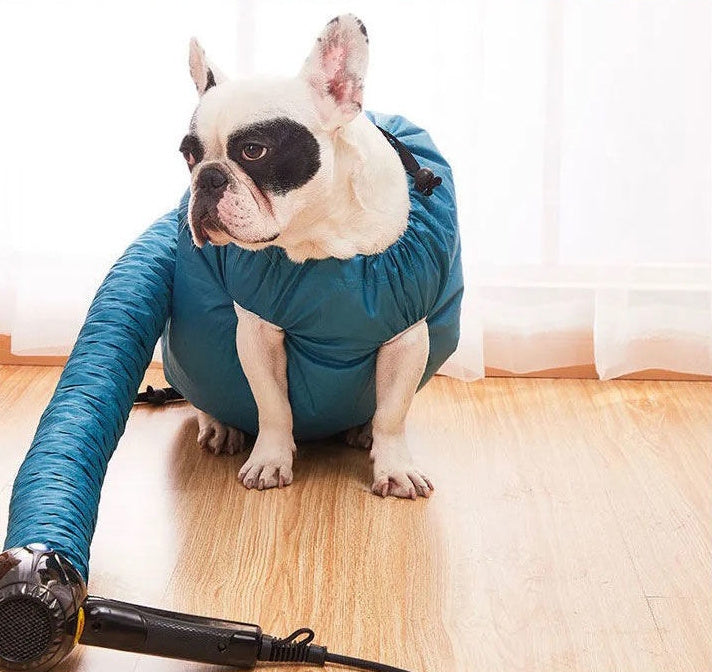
x: 425, y: 179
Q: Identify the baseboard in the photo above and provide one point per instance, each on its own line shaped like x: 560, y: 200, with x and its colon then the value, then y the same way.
x: 584, y: 371
x: 589, y: 371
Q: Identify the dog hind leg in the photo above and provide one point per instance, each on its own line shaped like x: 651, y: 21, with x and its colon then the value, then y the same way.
x: 360, y: 436
x: 218, y: 438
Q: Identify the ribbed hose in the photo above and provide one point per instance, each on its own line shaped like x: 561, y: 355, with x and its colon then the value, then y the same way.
x: 56, y: 493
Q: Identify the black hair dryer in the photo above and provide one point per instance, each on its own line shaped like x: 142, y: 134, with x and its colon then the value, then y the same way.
x: 45, y: 611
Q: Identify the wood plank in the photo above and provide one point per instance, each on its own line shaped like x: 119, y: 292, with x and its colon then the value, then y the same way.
x: 569, y: 530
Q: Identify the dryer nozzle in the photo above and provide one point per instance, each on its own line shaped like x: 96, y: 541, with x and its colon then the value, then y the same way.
x: 40, y: 608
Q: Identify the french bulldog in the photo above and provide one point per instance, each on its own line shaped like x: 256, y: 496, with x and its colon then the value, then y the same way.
x: 293, y: 162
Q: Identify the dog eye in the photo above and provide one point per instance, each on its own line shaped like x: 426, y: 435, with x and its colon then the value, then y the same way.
x: 252, y: 151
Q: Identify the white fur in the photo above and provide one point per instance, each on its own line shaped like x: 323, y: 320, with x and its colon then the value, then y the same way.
x: 260, y: 347
x: 199, y: 66
x: 363, y: 207
x: 399, y: 368
x: 335, y: 71
x: 357, y: 203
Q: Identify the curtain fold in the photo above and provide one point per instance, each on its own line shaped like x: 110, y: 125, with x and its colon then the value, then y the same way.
x: 593, y: 185
x: 652, y: 329
x: 580, y: 136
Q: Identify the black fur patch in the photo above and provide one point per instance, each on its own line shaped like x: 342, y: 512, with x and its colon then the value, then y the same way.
x: 211, y: 80
x: 292, y: 157
x: 363, y: 29
x: 191, y: 145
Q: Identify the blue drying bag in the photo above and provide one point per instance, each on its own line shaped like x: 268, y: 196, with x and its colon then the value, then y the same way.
x: 335, y: 315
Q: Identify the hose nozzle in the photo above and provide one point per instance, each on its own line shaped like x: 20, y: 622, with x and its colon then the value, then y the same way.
x: 40, y: 608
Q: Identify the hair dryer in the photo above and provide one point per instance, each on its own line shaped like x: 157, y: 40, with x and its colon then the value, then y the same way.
x: 45, y: 611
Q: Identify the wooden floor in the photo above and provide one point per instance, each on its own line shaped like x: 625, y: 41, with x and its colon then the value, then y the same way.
x: 571, y: 529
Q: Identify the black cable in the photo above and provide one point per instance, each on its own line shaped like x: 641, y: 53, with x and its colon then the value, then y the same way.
x: 361, y: 664
x: 158, y: 396
x: 298, y: 648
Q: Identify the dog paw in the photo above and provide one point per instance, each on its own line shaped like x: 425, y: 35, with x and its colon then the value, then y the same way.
x: 217, y: 438
x: 407, y: 483
x: 360, y: 437
x: 395, y: 474
x: 269, y: 465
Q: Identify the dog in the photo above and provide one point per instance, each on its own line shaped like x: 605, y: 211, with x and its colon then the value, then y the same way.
x: 294, y: 163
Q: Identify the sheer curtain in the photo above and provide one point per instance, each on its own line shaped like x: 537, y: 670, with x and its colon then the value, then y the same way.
x: 593, y: 185
x: 96, y: 98
x: 579, y: 134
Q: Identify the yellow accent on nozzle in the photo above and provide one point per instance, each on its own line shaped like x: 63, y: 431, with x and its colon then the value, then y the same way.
x: 80, y: 625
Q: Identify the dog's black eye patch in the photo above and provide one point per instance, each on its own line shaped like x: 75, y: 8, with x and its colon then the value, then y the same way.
x: 192, y: 150
x: 292, y: 158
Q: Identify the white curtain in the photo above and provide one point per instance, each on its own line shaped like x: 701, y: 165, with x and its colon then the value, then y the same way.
x: 579, y: 133
x: 593, y: 185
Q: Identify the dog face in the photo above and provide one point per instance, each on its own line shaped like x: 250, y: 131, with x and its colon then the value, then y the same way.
x: 259, y: 150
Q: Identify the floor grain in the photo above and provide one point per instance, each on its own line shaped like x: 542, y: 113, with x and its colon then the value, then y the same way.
x: 571, y: 529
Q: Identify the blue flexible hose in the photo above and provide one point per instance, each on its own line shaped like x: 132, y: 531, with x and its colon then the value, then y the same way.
x: 55, y: 497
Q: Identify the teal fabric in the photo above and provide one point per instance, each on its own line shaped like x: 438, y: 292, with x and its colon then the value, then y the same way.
x: 335, y: 313
x: 55, y: 497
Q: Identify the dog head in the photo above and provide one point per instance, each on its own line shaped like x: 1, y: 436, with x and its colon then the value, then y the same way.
x: 258, y: 150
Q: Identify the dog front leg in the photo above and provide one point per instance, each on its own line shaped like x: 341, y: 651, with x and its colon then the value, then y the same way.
x: 260, y: 347
x: 400, y: 364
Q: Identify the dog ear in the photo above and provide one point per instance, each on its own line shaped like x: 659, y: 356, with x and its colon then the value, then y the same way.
x: 204, y: 73
x: 336, y: 68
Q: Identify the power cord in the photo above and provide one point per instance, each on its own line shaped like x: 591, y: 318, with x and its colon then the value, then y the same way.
x: 292, y: 649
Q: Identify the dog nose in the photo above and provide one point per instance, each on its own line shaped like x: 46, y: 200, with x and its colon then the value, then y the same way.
x: 211, y: 179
